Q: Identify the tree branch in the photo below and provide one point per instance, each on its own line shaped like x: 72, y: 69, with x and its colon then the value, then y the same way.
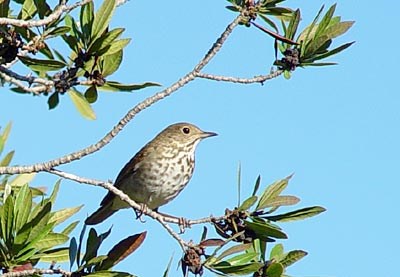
x: 45, y: 166
x: 256, y: 79
x: 58, y: 11
x: 36, y: 271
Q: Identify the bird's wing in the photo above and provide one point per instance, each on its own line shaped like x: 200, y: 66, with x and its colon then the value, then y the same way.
x: 125, y: 173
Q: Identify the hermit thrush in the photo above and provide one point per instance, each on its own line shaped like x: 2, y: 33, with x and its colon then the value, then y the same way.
x: 157, y: 173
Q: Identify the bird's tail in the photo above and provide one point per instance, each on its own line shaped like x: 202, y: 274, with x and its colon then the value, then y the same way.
x: 100, y: 215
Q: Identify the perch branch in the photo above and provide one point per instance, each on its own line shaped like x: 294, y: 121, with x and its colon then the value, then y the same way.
x: 124, y: 197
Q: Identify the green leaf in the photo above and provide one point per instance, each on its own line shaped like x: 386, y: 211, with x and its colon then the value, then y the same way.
x: 333, y: 51
x: 232, y: 250
x: 74, y: 31
x: 78, y: 254
x: 243, y: 269
x: 297, y: 215
x: 116, y: 86
x: 4, y: 7
x: 274, y: 270
x: 57, y: 31
x: 50, y: 240
x: 232, y: 8
x: 24, y: 256
x: 284, y: 200
x: 86, y: 20
x: 292, y: 257
x: 269, y: 22
x: 248, y: 203
x: 42, y: 8
x: 7, y: 158
x: 265, y: 231
x: 59, y: 56
x: 92, y: 245
x: 42, y: 65
x: 287, y: 74
x: 67, y: 230
x: 72, y: 42
x: 4, y: 136
x: 257, y: 185
x: 63, y: 214
x: 111, y: 63
x: 25, y: 252
x: 166, y: 272
x: 91, y: 94
x: 309, y: 31
x: 317, y: 64
x: 293, y: 25
x: 95, y: 261
x: 54, y: 193
x: 40, y: 223
x: 53, y: 100
x: 59, y: 255
x: 73, y: 251
x: 23, y: 206
x: 28, y: 10
x: 117, y: 46
x: 22, y: 179
x: 325, y: 21
x: 276, y: 252
x: 243, y: 258
x: 7, y: 221
x: 338, y: 29
x: 271, y: 192
x: 81, y: 104
x: 104, y: 42
x: 102, y: 18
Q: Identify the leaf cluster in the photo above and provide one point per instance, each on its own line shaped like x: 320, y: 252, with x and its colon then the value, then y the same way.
x: 96, y: 51
x: 27, y: 233
x: 251, y: 226
x: 93, y: 264
x: 313, y: 43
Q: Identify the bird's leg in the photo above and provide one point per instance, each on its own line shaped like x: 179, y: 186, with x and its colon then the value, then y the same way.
x: 139, y: 213
x: 182, y: 222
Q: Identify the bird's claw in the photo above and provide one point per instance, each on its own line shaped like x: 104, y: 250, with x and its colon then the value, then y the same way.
x: 183, y: 224
x: 139, y: 213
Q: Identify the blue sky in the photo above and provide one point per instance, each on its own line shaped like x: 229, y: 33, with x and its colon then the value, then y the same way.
x: 337, y: 128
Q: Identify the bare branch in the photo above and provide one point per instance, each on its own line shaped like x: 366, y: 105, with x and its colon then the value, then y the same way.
x: 36, y: 271
x: 58, y: 11
x: 45, y: 166
x: 14, y: 78
x: 256, y: 79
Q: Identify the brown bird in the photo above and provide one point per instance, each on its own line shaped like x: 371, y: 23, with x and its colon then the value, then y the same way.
x: 157, y: 173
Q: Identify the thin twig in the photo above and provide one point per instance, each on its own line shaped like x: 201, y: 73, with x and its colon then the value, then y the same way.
x: 58, y: 11
x: 45, y: 166
x: 256, y: 79
x: 36, y: 271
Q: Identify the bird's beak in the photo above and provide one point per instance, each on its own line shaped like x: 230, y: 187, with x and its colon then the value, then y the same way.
x: 208, y: 134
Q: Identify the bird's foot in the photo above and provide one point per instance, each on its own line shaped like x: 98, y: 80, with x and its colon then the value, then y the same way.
x: 182, y: 222
x: 139, y: 213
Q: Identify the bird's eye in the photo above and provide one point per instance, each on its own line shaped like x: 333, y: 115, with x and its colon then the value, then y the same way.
x: 186, y: 130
